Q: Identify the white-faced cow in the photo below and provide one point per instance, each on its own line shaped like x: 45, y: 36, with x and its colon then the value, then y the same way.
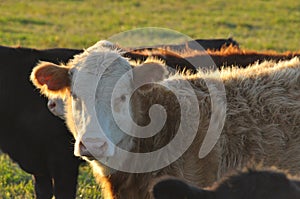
x: 262, y: 122
x: 251, y: 184
x: 29, y: 134
x: 34, y: 138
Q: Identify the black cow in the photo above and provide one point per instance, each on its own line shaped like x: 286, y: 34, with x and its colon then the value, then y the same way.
x: 198, y: 44
x: 245, y: 185
x: 37, y: 140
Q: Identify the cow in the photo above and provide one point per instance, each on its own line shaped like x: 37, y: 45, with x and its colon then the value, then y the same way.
x: 206, y: 44
x: 262, y: 121
x: 31, y: 136
x: 28, y: 129
x: 248, y: 184
x: 225, y: 57
x: 197, y: 44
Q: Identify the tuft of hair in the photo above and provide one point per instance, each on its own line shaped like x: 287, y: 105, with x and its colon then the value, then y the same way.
x: 150, y: 71
x: 150, y: 59
x: 42, y: 75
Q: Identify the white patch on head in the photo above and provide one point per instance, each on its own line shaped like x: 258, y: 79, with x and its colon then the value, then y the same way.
x: 93, y: 78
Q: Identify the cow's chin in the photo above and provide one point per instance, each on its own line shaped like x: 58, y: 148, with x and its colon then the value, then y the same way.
x: 101, y: 169
x: 88, y: 158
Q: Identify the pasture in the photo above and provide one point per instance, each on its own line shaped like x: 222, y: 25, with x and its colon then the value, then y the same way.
x: 257, y: 25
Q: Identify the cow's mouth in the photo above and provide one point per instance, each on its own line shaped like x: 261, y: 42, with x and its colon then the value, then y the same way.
x: 89, y: 158
x: 85, y: 153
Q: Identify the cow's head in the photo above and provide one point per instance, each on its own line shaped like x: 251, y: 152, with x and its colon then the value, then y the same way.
x: 96, y: 101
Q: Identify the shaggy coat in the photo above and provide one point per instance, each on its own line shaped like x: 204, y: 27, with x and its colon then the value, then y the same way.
x: 262, y: 120
x: 262, y: 125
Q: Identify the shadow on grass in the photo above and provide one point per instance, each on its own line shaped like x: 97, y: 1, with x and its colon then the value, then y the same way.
x: 24, y: 21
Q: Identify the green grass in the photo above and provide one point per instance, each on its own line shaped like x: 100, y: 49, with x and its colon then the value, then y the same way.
x: 258, y: 25
x: 16, y: 184
x: 255, y: 24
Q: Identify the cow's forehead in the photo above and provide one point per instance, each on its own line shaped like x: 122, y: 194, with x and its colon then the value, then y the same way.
x: 92, y: 65
x: 96, y: 62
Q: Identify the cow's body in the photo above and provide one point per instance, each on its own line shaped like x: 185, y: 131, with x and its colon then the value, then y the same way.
x: 262, y: 117
x: 210, y: 59
x: 251, y: 184
x: 262, y: 125
x: 197, y: 45
x: 38, y: 141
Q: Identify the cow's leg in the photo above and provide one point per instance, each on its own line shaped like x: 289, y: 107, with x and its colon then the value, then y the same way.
x: 43, y: 186
x: 65, y: 185
x: 63, y: 167
x: 65, y: 179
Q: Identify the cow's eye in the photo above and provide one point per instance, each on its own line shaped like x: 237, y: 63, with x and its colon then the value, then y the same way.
x: 71, y: 72
x: 123, y: 98
x: 74, y: 96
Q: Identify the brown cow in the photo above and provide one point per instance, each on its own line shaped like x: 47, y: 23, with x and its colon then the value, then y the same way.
x: 262, y: 120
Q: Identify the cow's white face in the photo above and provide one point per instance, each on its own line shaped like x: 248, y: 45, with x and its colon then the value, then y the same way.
x: 97, y: 86
x: 102, y: 83
x: 81, y: 83
x: 93, y: 80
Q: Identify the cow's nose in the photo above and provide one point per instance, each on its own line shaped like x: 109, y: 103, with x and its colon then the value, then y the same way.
x: 92, y: 147
x: 83, y: 151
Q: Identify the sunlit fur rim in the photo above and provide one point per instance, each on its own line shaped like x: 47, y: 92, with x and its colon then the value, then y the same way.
x: 61, y: 93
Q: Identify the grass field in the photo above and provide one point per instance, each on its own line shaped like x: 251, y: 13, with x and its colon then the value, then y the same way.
x: 259, y: 25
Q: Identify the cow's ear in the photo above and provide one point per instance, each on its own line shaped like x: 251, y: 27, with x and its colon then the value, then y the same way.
x: 148, y: 72
x: 51, y: 79
x: 174, y: 188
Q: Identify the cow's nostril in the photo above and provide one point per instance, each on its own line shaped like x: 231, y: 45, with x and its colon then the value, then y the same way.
x: 92, y: 147
x: 83, y: 151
